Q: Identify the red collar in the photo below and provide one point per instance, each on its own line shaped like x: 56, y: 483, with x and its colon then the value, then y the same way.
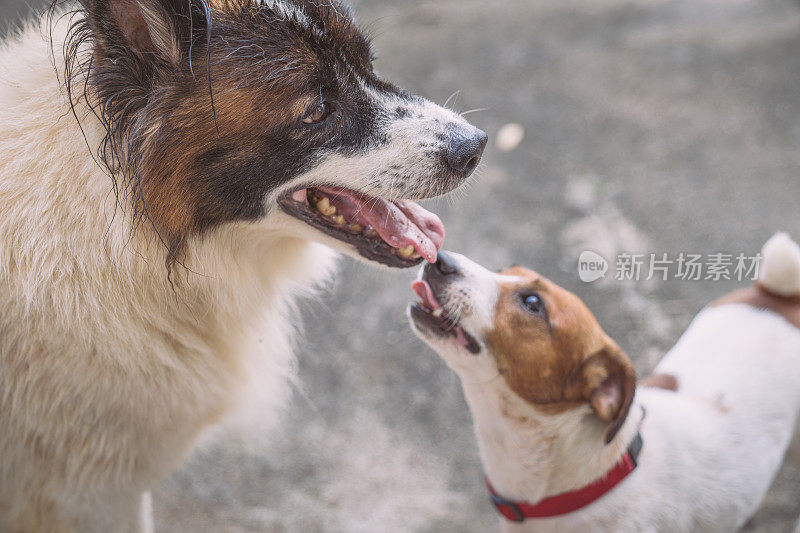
x: 567, y: 502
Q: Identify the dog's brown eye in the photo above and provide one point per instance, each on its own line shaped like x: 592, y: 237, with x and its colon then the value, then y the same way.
x: 532, y: 303
x: 318, y: 112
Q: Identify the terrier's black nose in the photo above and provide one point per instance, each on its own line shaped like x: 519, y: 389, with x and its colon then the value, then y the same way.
x: 446, y: 264
x: 466, y: 148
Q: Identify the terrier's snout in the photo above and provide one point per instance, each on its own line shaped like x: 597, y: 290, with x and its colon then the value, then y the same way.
x: 445, y: 263
x: 441, y: 273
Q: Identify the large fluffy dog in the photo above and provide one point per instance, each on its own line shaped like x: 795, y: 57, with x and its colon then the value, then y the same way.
x: 161, y: 202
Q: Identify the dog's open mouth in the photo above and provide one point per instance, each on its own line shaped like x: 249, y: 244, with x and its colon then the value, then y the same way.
x: 397, y: 233
x: 431, y: 315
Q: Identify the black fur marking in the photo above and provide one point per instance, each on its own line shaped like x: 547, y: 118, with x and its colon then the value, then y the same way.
x: 156, y: 114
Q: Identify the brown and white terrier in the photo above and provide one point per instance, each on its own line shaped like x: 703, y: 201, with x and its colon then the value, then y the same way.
x: 561, y: 424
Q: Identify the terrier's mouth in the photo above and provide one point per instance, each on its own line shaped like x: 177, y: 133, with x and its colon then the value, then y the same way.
x: 396, y: 233
x: 429, y: 314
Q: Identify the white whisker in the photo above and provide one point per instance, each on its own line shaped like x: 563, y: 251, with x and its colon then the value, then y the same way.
x: 473, y: 111
x: 453, y: 97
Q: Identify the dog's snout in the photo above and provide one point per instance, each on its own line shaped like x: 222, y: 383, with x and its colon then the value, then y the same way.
x: 466, y: 148
x: 446, y: 264
x: 443, y: 272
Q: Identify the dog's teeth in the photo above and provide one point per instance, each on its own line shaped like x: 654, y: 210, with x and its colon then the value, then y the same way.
x: 338, y: 219
x: 355, y: 228
x: 324, y: 206
x: 438, y: 312
x: 371, y: 233
x: 415, y: 255
x: 406, y: 251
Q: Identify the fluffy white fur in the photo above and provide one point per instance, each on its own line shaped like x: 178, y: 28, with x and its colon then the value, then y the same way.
x: 107, y: 375
x: 711, y: 450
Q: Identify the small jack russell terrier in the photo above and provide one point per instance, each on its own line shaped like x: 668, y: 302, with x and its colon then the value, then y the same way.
x: 569, y: 443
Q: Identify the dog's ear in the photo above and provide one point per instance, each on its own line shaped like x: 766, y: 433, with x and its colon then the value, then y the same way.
x: 607, y: 380
x: 147, y: 32
x: 148, y: 27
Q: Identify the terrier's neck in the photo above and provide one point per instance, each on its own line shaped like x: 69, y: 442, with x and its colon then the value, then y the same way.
x: 528, y: 455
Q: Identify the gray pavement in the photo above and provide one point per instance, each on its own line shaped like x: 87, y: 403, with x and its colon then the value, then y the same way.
x: 659, y: 126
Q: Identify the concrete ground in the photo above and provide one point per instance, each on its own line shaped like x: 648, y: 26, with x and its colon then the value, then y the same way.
x: 657, y: 126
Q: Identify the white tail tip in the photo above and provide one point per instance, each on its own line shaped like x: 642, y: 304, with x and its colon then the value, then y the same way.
x: 780, y: 266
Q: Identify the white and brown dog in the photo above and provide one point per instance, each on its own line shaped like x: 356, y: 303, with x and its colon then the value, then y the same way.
x: 166, y: 191
x: 567, y: 440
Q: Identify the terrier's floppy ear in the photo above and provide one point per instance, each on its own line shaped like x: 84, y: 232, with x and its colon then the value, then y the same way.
x: 607, y: 380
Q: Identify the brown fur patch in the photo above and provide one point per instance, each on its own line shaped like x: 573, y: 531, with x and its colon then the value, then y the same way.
x: 193, y: 137
x: 534, y: 360
x: 203, y: 102
x: 760, y: 298
x: 660, y: 381
x: 561, y: 358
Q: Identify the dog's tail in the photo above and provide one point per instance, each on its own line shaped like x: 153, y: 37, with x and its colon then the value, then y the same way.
x: 780, y: 266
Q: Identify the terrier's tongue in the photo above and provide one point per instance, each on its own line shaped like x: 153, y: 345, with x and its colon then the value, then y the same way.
x: 425, y: 294
x: 400, y: 224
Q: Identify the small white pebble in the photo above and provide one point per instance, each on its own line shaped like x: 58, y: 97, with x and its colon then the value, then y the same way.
x: 509, y: 137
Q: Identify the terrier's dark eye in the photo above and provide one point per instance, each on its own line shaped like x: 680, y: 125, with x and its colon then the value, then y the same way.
x: 318, y: 112
x: 532, y: 303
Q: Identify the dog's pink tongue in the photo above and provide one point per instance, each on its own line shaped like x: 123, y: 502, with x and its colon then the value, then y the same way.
x: 400, y: 224
x: 425, y: 294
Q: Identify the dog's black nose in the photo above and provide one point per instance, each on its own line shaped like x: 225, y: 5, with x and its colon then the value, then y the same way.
x: 466, y: 148
x: 446, y: 264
